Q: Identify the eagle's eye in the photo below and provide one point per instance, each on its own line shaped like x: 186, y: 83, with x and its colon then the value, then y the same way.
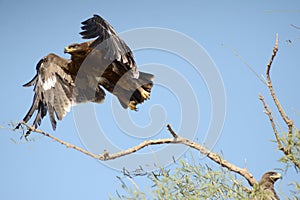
x: 74, y: 46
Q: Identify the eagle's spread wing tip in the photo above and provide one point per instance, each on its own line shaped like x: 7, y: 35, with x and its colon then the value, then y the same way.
x: 53, y: 90
x: 31, y: 82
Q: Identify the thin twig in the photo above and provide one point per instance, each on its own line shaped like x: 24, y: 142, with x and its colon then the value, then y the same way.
x: 297, y: 27
x: 245, y: 62
x: 269, y: 113
x: 171, y: 131
x: 175, y: 140
x: 68, y: 145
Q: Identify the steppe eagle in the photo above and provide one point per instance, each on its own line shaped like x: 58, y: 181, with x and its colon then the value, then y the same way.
x: 266, y: 189
x: 105, y: 62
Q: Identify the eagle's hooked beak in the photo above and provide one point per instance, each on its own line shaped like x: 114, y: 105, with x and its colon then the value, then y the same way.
x: 67, y: 49
x: 276, y: 176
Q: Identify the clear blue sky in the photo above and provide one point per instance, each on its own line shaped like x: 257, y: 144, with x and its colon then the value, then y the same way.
x: 43, y: 169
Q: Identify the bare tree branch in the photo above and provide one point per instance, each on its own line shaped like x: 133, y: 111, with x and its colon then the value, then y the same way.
x: 175, y: 140
x: 68, y: 145
x: 215, y: 157
x: 285, y: 118
x: 290, y: 124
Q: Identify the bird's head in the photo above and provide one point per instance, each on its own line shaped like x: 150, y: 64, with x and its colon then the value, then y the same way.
x: 77, y: 49
x: 271, y: 177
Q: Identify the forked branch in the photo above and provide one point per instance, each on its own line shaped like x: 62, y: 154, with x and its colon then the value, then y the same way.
x: 286, y: 149
x: 285, y: 118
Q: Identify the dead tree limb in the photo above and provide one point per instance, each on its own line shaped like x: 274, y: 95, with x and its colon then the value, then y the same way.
x: 176, y: 139
x: 290, y: 124
x: 285, y: 118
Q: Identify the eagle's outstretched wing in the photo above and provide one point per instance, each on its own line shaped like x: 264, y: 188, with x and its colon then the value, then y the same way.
x: 115, y: 47
x: 121, y: 77
x: 52, y: 90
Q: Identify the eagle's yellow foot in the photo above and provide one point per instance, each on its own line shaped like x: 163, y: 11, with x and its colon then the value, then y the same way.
x: 132, y: 105
x: 144, y: 93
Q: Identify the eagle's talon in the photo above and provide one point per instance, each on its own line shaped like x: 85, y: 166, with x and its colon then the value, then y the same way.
x: 132, y: 105
x: 18, y: 126
x: 144, y: 93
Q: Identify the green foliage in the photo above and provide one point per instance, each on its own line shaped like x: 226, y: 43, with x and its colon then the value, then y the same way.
x: 296, y: 191
x: 134, y: 193
x: 190, y: 181
x: 293, y: 158
x: 258, y: 193
x: 198, y: 182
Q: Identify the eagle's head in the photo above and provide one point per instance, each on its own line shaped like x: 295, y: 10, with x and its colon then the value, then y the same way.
x: 266, y: 186
x: 271, y: 177
x: 76, y: 49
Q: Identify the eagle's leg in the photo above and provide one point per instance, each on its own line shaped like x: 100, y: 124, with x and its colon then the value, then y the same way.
x: 132, y: 105
x: 144, y: 93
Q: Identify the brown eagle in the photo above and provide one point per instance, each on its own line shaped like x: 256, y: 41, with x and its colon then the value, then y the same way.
x: 265, y: 188
x: 105, y: 62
